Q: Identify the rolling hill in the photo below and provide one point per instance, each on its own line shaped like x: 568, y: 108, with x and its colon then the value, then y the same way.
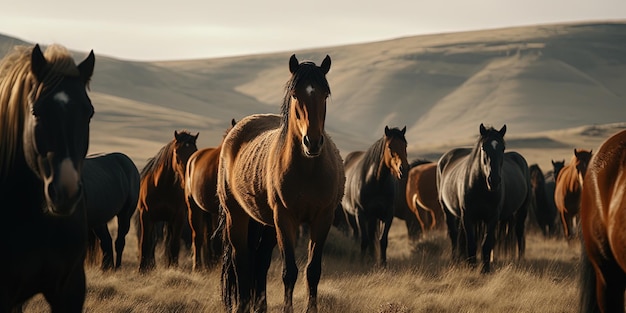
x: 555, y: 86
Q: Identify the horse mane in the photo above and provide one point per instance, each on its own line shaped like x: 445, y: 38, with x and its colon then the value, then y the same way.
x: 307, y: 71
x: 417, y: 162
x: 374, y: 154
x: 164, y: 159
x: 17, y: 84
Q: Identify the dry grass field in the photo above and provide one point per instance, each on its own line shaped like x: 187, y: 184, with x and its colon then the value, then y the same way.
x: 557, y: 87
x: 419, y: 278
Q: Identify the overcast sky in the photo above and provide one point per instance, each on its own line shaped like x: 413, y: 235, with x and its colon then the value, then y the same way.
x: 184, y: 29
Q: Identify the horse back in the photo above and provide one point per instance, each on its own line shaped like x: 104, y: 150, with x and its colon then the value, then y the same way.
x: 516, y: 179
x: 111, y: 183
x: 451, y: 173
x: 201, y: 178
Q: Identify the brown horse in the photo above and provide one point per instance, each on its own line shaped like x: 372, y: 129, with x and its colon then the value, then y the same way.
x: 423, y: 198
x: 603, y: 225
x: 568, y: 187
x: 162, y: 198
x: 45, y: 113
x: 203, y: 204
x: 277, y: 172
x: 372, y: 185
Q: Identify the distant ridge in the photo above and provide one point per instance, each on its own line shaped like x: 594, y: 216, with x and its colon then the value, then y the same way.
x: 536, y: 79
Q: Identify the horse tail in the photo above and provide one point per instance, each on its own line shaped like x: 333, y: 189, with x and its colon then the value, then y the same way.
x: 588, y: 296
x: 228, y: 279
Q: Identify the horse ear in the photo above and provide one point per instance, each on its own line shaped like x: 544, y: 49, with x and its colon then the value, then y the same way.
x: 403, y: 130
x: 293, y: 64
x: 86, y: 67
x: 576, y: 152
x: 386, y: 130
x: 325, y: 65
x: 502, y: 130
x: 196, y: 136
x: 233, y: 122
x: 483, y: 130
x: 175, y: 134
x: 38, y: 63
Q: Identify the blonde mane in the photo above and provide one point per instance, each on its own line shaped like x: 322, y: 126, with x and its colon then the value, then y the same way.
x: 17, y: 84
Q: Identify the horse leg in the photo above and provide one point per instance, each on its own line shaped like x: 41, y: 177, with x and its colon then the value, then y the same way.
x: 564, y: 221
x: 384, y: 240
x: 453, y: 233
x: 520, y: 227
x: 175, y: 232
x: 123, y: 227
x: 469, y: 229
x: 490, y: 239
x: 147, y: 243
x: 286, y: 229
x: 610, y: 287
x: 106, y: 244
x: 237, y: 271
x: 262, y: 261
x: 198, y: 231
x: 71, y: 298
x: 319, y: 233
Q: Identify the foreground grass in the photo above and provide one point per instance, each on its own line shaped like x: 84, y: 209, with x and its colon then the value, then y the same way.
x: 418, y: 278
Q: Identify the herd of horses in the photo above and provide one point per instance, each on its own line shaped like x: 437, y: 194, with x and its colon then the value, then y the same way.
x: 271, y: 174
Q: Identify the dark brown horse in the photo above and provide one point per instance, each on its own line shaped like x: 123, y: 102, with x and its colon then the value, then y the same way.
x: 111, y: 183
x: 162, y: 198
x: 203, y: 204
x: 372, y: 186
x: 568, y: 188
x: 45, y: 114
x: 543, y: 213
x: 423, y: 198
x: 277, y: 172
x: 603, y: 225
x: 484, y: 188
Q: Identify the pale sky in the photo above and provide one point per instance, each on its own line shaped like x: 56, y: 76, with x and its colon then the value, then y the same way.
x: 186, y: 29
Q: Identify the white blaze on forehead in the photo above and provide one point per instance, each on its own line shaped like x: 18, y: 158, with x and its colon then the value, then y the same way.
x: 494, y: 144
x: 309, y: 89
x: 68, y: 176
x: 62, y: 97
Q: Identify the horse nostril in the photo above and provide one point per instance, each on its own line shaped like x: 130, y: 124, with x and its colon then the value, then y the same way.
x: 306, y: 141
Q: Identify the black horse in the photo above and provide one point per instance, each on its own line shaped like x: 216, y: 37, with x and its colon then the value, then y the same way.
x: 45, y: 114
x: 543, y: 212
x: 111, y: 183
x: 484, y: 188
x: 372, y: 186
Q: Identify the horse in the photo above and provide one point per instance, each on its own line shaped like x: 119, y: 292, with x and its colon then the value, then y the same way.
x: 602, y: 218
x: 162, y: 198
x: 568, y: 187
x: 111, y: 184
x: 372, y: 186
x: 45, y: 113
x: 422, y: 195
x: 275, y: 173
x: 485, y: 188
x: 543, y: 211
x: 203, y: 204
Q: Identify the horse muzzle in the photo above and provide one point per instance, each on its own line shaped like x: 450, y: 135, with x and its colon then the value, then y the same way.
x: 312, y: 148
x: 60, y: 201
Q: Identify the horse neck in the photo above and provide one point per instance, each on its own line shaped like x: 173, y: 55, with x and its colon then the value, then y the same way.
x: 475, y: 173
x: 289, y: 147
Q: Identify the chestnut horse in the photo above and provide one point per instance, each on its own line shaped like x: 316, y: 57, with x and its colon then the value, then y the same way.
x: 603, y: 225
x: 422, y: 196
x: 275, y: 173
x: 162, y: 198
x: 203, y: 204
x: 484, y: 187
x: 45, y: 114
x: 568, y: 187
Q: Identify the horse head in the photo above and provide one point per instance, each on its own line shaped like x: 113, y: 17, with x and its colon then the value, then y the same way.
x: 492, y: 155
x: 56, y: 132
x: 582, y: 161
x: 184, y: 147
x: 306, y: 101
x: 394, y: 153
x: 557, y: 166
